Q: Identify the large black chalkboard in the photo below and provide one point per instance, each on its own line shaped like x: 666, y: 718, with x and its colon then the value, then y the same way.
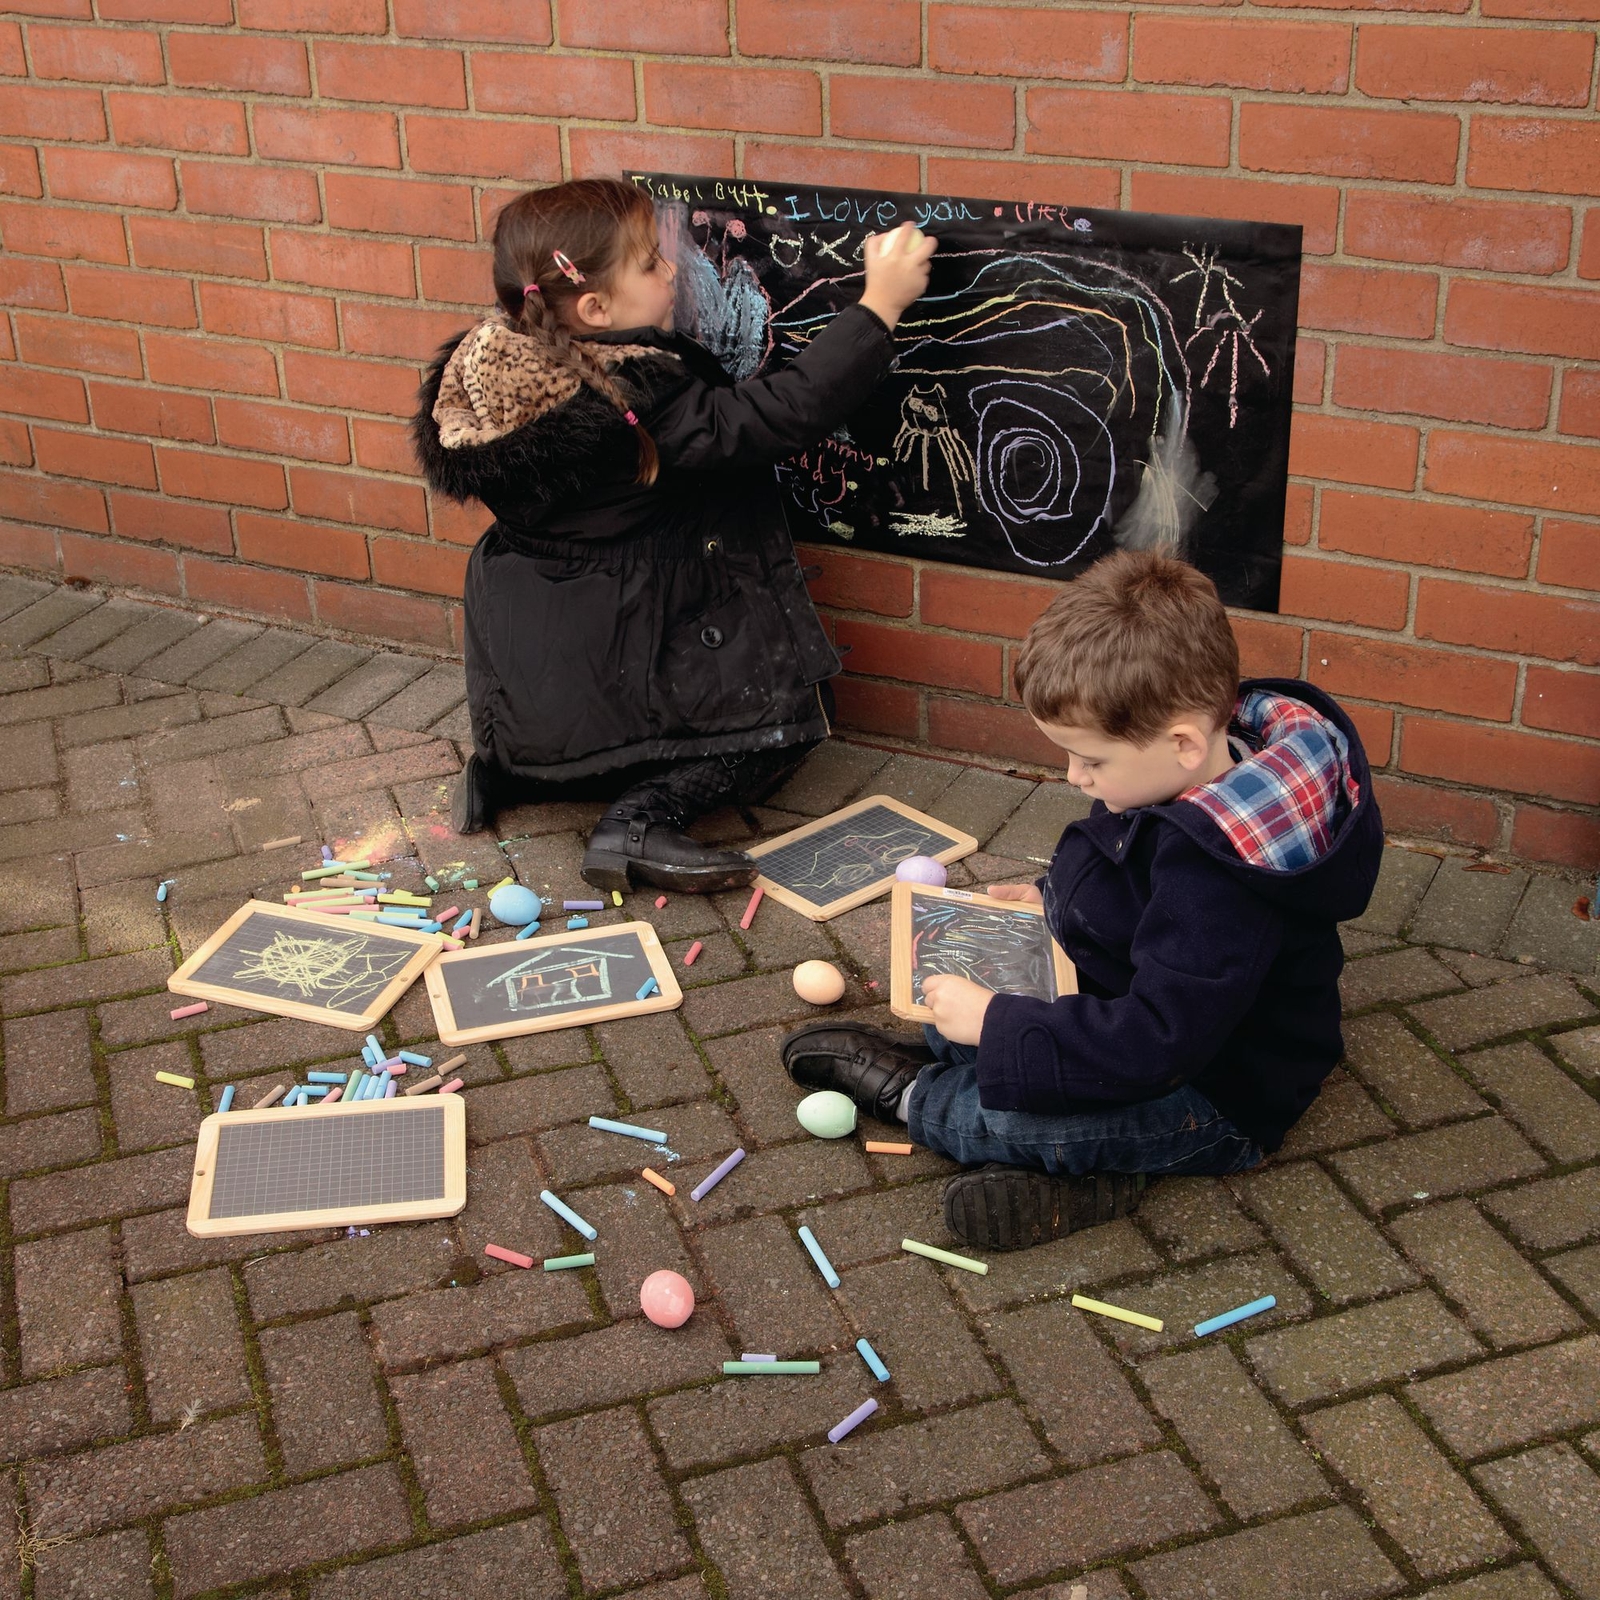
x: 1061, y: 360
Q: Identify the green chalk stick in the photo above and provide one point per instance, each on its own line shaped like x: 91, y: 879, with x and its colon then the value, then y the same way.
x: 756, y: 1369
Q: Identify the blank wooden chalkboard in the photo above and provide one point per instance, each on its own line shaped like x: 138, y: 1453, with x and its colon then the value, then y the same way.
x: 562, y: 980
x: 1001, y: 944
x: 299, y: 964
x: 329, y: 1166
x: 847, y: 858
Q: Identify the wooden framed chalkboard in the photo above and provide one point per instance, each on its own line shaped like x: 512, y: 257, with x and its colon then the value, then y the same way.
x: 562, y: 980
x: 1002, y: 944
x: 299, y: 964
x: 329, y: 1166
x: 848, y: 857
x: 1073, y: 380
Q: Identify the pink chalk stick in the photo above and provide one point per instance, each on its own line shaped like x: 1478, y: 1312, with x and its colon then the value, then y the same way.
x: 750, y: 910
x: 445, y: 916
x: 189, y: 1011
x: 661, y: 900
x: 692, y: 952
x: 333, y: 1094
x: 451, y: 944
x: 452, y: 1086
x: 500, y: 1253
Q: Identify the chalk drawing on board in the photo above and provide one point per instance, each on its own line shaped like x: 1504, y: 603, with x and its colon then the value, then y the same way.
x: 924, y: 423
x: 329, y: 968
x: 561, y: 976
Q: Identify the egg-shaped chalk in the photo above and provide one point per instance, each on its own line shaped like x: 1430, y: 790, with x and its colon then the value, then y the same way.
x: 666, y: 1298
x: 514, y: 905
x: 922, y: 869
x: 819, y: 983
x: 827, y: 1114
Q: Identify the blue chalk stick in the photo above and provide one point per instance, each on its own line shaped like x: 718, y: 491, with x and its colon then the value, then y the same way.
x: 577, y: 922
x: 563, y: 1210
x: 226, y: 1102
x: 1238, y: 1314
x: 466, y: 919
x: 161, y: 891
x: 328, y: 1077
x: 373, y: 1045
x: 649, y: 1135
x: 411, y: 1057
x: 399, y: 922
x: 648, y: 988
x: 870, y: 1356
x: 429, y: 926
x: 314, y: 1091
x: 383, y: 1080
x: 527, y: 930
x: 292, y: 1098
x: 352, y: 1090
x: 824, y: 1265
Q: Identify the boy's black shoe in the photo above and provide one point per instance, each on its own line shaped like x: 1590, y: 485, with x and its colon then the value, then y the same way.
x: 1008, y: 1208
x: 648, y: 847
x: 472, y: 808
x: 871, y: 1066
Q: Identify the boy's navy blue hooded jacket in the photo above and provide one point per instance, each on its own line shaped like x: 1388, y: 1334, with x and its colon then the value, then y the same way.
x: 1194, y: 965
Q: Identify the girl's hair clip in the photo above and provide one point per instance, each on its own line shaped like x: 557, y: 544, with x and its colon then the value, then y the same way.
x: 566, y: 267
x: 529, y: 288
x: 632, y: 421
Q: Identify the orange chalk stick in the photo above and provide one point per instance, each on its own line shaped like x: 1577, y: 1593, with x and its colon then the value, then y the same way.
x: 651, y: 1176
x: 500, y: 1253
x: 881, y: 1147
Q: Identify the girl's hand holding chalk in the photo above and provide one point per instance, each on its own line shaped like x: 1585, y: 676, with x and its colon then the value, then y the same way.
x: 897, y: 269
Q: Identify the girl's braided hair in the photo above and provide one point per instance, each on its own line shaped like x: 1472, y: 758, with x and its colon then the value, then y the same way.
x: 595, y: 224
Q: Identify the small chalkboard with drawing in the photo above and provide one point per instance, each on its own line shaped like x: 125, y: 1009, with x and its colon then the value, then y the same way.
x: 848, y: 857
x: 1002, y: 945
x: 562, y: 980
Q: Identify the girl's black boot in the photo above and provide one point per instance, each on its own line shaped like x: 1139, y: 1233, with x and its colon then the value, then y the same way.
x: 635, y: 843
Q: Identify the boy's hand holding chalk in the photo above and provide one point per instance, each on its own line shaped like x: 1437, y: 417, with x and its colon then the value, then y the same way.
x: 958, y: 1005
x: 897, y: 270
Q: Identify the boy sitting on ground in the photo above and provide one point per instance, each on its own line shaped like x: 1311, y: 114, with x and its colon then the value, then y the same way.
x: 1233, y: 827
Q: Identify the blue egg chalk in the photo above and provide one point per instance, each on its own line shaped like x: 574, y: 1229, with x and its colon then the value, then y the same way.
x: 649, y: 1135
x: 528, y: 930
x: 1238, y: 1314
x: 648, y: 988
x: 563, y: 1210
x: 824, y: 1265
x: 329, y: 1078
x: 413, y: 1059
x: 512, y: 904
x: 226, y: 1102
x: 577, y: 922
x: 870, y: 1356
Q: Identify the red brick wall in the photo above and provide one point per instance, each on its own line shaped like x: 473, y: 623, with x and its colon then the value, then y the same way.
x: 233, y: 228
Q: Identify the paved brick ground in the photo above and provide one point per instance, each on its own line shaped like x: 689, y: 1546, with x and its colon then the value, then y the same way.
x: 315, y: 1417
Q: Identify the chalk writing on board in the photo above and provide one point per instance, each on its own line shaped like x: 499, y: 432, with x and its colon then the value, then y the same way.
x: 826, y: 865
x: 1071, y: 381
x: 1006, y: 951
x: 561, y: 976
x: 341, y: 972
x: 510, y: 983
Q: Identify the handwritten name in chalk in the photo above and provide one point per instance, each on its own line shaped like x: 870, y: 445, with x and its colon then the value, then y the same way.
x: 567, y: 1214
x: 854, y: 1420
x: 561, y: 1263
x: 1119, y: 1313
x: 713, y: 1178
x: 647, y: 988
x: 870, y: 1356
x: 693, y: 951
x: 750, y: 910
x: 815, y: 1251
x: 650, y: 1175
x: 514, y: 1258
x: 632, y: 1130
x: 176, y: 1079
x: 771, y: 1369
x: 1238, y: 1314
x: 884, y: 1147
x: 948, y: 1257
x: 189, y: 1011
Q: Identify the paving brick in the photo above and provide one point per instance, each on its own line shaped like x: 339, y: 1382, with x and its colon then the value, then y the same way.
x: 31, y: 756
x: 65, y: 835
x: 1580, y: 1049
x: 516, y: 1559
x: 1066, y: 1379
x: 422, y: 702
x: 278, y: 1044
x: 44, y: 1142
x: 49, y: 1060
x: 1190, y: 1218
x: 1371, y: 1344
x: 652, y: 1062
x: 311, y: 673
x: 384, y: 771
x: 1342, y: 1114
x: 1460, y: 1158
x: 35, y: 705
x: 38, y: 1419
x: 779, y: 1553
x: 1463, y: 1020
x: 1515, y: 1400
x: 866, y: 1227
x: 50, y: 611
x: 36, y: 894
x: 115, y: 1564
x: 123, y: 1482
x: 1545, y: 930
x: 1419, y: 1087
x: 1403, y: 879
x: 1325, y: 1555
x: 88, y: 632
x: 1556, y: 1500
x: 1540, y: 1098
x: 157, y: 1244
x: 123, y: 722
x: 368, y: 685
x: 1579, y: 1270
x: 157, y: 632
x: 769, y: 1288
x: 909, y: 1559
x: 1101, y: 1511
x: 82, y: 981
x: 29, y: 805
x: 1035, y: 827
x: 1413, y: 1492
x: 832, y: 774
x: 1258, y: 1465
x: 979, y: 802
x: 125, y: 1022
x: 1499, y: 1293
x: 120, y: 917
x: 1399, y: 975
x: 1095, y: 1256
x: 190, y: 1344
x: 257, y: 658
x: 1344, y: 1256
x: 17, y: 593
x: 1558, y: 1211
x: 148, y: 1113
x: 1512, y: 1583
x: 615, y: 1511
x: 1466, y: 907
x: 104, y: 1189
x: 287, y: 1529
x: 791, y: 1175
x: 207, y: 645
x: 349, y: 1270
x: 68, y: 1290
x: 19, y: 951
x: 325, y: 1406
x: 745, y: 1002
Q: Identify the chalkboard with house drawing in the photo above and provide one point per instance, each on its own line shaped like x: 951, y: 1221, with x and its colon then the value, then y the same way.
x: 563, y: 980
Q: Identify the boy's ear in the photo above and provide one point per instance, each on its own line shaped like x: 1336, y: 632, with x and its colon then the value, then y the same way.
x: 1191, y: 744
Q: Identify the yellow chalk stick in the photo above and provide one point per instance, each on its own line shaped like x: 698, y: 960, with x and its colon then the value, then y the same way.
x: 175, y: 1080
x: 1137, y: 1318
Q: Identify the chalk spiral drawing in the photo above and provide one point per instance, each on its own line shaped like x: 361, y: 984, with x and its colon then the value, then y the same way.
x: 1072, y: 379
x: 343, y: 974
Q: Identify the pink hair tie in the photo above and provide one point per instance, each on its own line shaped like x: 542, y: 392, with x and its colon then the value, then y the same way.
x: 529, y: 288
x: 633, y: 421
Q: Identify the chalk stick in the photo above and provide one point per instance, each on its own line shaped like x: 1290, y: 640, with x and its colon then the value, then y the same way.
x: 526, y: 931
x: 311, y: 874
x: 352, y: 1088
x: 854, y: 1420
x: 870, y: 1356
x: 649, y: 1135
x: 650, y: 1175
x: 616, y: 897
x: 712, y: 1179
x: 313, y: 1091
x: 374, y: 1046
x: 453, y: 1063
x: 176, y: 1079
x: 750, y: 910
x: 327, y: 854
x: 949, y: 1257
x: 561, y: 1263
x: 661, y: 900
x: 189, y: 1011
x: 465, y: 922
x: 451, y: 1087
x: 764, y: 1369
x: 424, y: 1085
x: 815, y: 1251
x: 290, y: 1099
x: 161, y: 891
x: 270, y: 1098
x: 493, y: 886
x: 396, y: 921
x: 430, y: 927
x: 226, y: 1102
x: 382, y: 1081
x: 477, y: 913
x: 1137, y: 1318
x: 577, y: 922
x: 431, y: 881
x: 404, y: 897
x: 335, y: 1093
x: 500, y: 1253
x: 563, y: 1210
x: 388, y: 1093
x: 360, y: 864
x: 692, y: 952
x: 470, y: 883
x: 882, y: 1147
x: 411, y: 1058
x: 369, y: 877
x: 327, y: 1077
x: 445, y: 916
x: 1238, y: 1314
x: 648, y: 988
x: 583, y: 905
x: 451, y: 944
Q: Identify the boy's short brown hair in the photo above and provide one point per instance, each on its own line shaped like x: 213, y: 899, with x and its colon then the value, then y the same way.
x: 1138, y: 640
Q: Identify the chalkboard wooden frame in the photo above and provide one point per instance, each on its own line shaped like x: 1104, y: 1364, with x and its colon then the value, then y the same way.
x: 961, y: 844
x: 449, y: 1203
x: 901, y: 988
x: 426, y: 946
x: 669, y: 998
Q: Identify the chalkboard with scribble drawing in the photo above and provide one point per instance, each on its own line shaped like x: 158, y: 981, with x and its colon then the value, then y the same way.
x: 1073, y: 380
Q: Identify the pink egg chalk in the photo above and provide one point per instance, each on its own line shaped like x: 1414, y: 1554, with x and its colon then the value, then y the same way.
x: 666, y: 1298
x: 922, y: 869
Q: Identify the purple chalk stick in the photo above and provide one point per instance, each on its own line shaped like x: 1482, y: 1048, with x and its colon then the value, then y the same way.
x: 854, y: 1420
x: 708, y: 1183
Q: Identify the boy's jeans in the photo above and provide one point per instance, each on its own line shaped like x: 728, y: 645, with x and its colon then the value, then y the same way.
x: 1181, y: 1132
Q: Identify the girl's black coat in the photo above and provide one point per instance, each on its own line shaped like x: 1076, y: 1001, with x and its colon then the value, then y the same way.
x: 609, y: 624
